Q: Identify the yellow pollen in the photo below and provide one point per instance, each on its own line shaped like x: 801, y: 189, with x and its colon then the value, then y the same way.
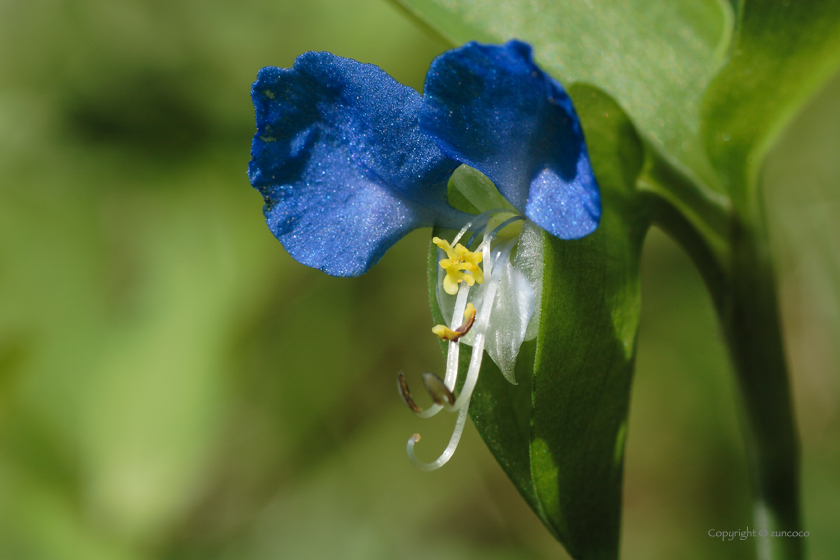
x: 461, y: 265
x: 445, y: 333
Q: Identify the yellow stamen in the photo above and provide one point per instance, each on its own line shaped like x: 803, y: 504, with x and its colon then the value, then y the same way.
x: 460, y: 266
x: 445, y: 333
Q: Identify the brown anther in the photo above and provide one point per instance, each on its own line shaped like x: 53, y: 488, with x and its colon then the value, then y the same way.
x: 469, y: 319
x: 437, y: 389
x: 446, y: 333
x: 406, y: 394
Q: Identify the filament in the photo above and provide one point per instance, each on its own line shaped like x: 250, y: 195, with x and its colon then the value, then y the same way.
x: 447, y: 453
x: 482, y: 320
x: 452, y: 355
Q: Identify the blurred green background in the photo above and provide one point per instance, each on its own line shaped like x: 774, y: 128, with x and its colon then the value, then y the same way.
x: 174, y: 386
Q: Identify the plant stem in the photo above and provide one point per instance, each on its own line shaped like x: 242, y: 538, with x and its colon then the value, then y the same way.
x: 752, y: 325
x: 733, y: 256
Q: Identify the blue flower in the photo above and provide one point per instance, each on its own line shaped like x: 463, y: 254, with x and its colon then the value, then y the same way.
x: 349, y: 161
x: 493, y: 109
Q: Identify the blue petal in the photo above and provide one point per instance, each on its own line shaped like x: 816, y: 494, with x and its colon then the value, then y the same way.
x: 492, y: 108
x: 341, y: 162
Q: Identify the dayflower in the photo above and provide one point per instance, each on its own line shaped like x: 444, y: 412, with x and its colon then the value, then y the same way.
x: 348, y: 161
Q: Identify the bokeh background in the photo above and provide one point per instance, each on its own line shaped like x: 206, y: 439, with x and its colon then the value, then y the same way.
x: 174, y: 386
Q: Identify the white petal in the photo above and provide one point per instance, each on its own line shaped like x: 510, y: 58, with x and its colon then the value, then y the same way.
x: 529, y: 261
x: 512, y: 312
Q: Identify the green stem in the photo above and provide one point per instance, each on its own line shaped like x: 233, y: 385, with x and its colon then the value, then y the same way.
x: 752, y: 325
x: 731, y: 251
x: 702, y: 209
x: 694, y: 217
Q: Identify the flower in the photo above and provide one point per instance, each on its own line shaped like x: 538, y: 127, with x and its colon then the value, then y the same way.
x: 349, y: 161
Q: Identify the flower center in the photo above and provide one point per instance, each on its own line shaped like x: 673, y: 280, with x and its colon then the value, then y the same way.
x: 500, y: 230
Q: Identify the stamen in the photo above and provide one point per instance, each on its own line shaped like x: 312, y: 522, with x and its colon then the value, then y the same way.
x: 452, y: 355
x: 437, y: 389
x: 461, y: 404
x: 447, y: 453
x: 462, y: 271
x: 460, y: 266
x: 406, y: 393
x: 445, y: 333
x: 482, y: 321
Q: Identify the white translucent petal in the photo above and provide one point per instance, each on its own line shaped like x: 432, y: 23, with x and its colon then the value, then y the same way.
x: 512, y: 311
x: 516, y: 308
x: 529, y: 261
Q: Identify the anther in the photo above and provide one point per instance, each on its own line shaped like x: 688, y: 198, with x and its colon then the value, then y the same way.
x: 445, y: 333
x: 437, y: 389
x: 461, y: 265
x: 406, y: 394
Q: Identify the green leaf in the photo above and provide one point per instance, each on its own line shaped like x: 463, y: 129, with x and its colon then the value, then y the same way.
x: 783, y: 52
x: 559, y: 434
x: 586, y: 346
x: 495, y: 399
x: 656, y: 58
